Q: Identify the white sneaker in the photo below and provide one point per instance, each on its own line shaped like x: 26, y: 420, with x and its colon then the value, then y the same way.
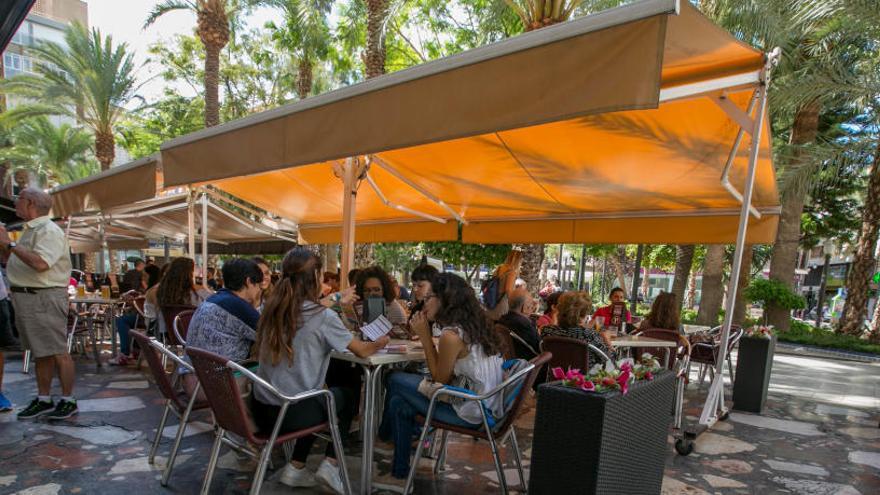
x: 329, y: 474
x: 293, y: 477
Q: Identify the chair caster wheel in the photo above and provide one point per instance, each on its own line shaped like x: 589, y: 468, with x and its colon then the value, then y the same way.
x: 684, y: 447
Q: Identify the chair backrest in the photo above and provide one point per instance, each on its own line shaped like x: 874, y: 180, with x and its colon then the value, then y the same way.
x: 222, y: 391
x: 154, y: 360
x: 668, y: 335
x: 181, y: 325
x: 169, y: 313
x: 506, y: 341
x: 566, y: 353
x: 138, y: 304
x: 527, y: 385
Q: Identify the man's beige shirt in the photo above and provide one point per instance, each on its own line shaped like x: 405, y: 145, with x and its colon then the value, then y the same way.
x: 43, y: 237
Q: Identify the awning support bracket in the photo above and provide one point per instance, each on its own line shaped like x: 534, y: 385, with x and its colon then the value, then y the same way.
x: 399, y: 207
x: 725, y: 174
x: 421, y: 190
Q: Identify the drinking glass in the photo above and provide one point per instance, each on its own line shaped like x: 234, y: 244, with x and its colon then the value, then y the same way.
x: 81, y: 290
x: 105, y: 292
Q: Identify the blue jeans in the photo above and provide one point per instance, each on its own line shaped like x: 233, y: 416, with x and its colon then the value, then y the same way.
x: 124, y: 324
x: 402, y: 403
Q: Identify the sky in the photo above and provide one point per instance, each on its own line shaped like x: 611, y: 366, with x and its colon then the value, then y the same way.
x: 124, y: 20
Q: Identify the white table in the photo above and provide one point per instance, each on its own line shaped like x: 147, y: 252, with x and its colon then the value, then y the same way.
x: 631, y: 341
x: 692, y: 329
x: 111, y: 304
x: 372, y: 367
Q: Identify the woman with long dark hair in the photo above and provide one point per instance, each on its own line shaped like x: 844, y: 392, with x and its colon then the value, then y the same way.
x: 295, y: 336
x: 178, y: 288
x: 664, y: 313
x: 468, y: 350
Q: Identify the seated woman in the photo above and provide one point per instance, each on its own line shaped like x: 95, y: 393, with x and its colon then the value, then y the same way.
x: 664, y: 313
x: 468, y: 349
x: 375, y: 282
x: 178, y: 288
x: 226, y: 322
x: 550, y: 311
x: 295, y: 336
x: 266, y: 284
x: 573, y: 310
x: 127, y: 321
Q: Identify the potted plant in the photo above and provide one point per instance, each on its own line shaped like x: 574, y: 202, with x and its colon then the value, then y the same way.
x: 603, y: 432
x: 753, y: 366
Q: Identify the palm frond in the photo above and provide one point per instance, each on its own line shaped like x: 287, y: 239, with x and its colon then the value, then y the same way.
x: 166, y: 6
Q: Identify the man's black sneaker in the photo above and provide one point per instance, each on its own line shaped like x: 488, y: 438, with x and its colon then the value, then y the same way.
x: 63, y: 410
x: 36, y: 408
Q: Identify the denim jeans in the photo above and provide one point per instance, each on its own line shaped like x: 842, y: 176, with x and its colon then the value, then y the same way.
x: 124, y: 324
x: 402, y: 403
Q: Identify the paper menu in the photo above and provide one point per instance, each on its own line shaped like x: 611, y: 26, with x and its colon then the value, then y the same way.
x: 377, y: 328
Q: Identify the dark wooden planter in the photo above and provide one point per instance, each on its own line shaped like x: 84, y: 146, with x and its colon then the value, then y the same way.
x: 607, y: 443
x: 754, y: 363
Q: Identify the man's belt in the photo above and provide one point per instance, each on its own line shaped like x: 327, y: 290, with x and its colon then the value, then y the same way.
x: 32, y: 290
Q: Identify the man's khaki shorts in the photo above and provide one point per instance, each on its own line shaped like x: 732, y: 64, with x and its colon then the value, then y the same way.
x: 41, y: 320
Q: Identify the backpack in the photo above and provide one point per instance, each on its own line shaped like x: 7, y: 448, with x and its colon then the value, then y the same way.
x: 490, y: 292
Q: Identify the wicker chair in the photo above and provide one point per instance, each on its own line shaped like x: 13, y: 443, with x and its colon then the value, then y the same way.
x: 569, y: 353
x: 230, y: 412
x: 705, y: 353
x: 524, y: 379
x: 181, y: 325
x: 176, y: 400
x: 168, y: 314
x: 682, y: 352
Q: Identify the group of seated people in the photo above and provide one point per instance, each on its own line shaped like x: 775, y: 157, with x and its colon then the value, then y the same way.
x: 291, y: 327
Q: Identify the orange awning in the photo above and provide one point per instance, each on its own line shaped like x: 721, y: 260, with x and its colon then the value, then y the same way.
x: 606, y: 129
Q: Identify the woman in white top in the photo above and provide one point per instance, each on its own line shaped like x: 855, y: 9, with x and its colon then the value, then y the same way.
x: 468, y: 351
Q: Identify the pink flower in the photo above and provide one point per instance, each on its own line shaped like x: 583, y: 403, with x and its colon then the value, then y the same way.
x: 649, y: 375
x: 573, y: 374
x: 623, y: 381
x: 588, y: 386
x: 608, y: 381
x: 626, y: 366
x: 558, y: 373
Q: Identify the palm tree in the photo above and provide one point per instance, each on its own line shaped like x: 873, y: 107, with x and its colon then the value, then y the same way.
x: 306, y: 33
x: 768, y: 24
x: 850, y: 77
x: 57, y: 155
x: 713, y: 286
x: 684, y: 259
x: 90, y: 80
x: 377, y: 17
x: 213, y: 29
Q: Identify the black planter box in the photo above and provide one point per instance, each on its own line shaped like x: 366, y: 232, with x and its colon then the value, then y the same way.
x: 754, y: 363
x: 607, y: 443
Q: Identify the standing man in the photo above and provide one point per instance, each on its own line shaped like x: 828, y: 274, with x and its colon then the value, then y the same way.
x: 134, y: 279
x: 39, y: 270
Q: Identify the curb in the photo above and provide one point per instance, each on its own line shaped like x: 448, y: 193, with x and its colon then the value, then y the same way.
x: 821, y: 352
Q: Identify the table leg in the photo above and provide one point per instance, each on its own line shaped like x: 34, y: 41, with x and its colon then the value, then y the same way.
x: 367, y: 432
x: 90, y: 321
x: 113, y: 338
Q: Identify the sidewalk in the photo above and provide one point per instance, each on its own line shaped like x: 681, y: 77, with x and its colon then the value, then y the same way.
x: 819, y: 435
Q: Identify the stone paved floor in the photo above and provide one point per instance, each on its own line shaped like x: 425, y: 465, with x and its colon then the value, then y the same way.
x: 819, y: 436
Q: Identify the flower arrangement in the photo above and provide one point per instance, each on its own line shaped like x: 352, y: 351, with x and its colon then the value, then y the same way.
x: 611, y: 376
x: 760, y: 332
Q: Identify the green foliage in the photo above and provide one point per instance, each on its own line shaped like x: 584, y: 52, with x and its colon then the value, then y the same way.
x: 56, y: 154
x: 172, y: 116
x: 766, y: 291
x: 399, y: 257
x: 688, y: 316
x: 801, y: 333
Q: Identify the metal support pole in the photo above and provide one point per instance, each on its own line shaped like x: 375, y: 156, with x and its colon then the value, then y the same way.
x: 349, y: 175
x: 715, y: 399
x: 205, y: 240
x: 559, y: 267
x: 166, y: 248
x: 101, y: 258
x: 191, y: 227
x: 634, y: 301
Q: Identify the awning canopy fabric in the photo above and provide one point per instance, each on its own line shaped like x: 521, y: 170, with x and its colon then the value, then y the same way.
x: 118, y: 186
x: 167, y: 217
x: 12, y: 13
x: 599, y: 130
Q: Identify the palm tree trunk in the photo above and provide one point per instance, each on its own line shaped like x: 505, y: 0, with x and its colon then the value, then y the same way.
x: 874, y: 336
x: 783, y: 261
x: 864, y: 264
x: 105, y: 148
x: 212, y: 82
x: 691, y: 299
x: 331, y: 254
x: 363, y: 256
x: 533, y: 258
x: 684, y: 258
x: 304, y: 78
x: 374, y: 59
x: 739, y: 308
x: 713, y: 285
x: 618, y: 263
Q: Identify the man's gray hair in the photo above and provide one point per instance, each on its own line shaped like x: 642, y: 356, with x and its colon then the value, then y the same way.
x: 41, y: 199
x: 517, y: 299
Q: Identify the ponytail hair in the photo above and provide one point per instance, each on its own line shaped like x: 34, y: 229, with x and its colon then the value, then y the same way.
x: 283, y: 313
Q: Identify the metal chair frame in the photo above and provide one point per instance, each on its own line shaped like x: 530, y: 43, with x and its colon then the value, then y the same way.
x: 170, y: 405
x: 178, y: 322
x: 264, y: 455
x: 736, y: 334
x: 491, y: 435
x: 587, y: 347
